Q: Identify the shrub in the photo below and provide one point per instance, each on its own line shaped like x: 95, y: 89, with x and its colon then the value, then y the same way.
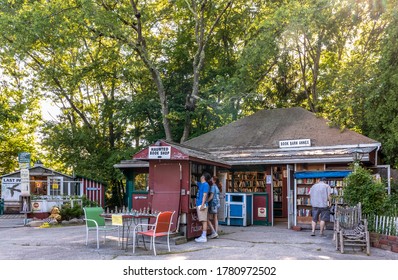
x: 68, y: 212
x: 88, y: 203
x: 391, y: 204
x: 361, y: 187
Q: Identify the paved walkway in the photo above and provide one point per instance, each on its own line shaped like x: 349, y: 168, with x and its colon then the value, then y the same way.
x: 18, y: 242
x: 11, y: 216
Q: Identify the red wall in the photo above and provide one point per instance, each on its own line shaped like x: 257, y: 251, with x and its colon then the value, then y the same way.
x: 94, y: 191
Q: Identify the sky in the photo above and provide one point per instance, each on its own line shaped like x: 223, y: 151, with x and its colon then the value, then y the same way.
x: 49, y: 111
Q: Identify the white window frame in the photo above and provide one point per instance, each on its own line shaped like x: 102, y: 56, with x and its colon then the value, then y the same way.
x: 50, y: 183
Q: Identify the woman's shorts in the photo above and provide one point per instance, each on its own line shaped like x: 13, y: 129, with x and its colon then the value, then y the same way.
x: 213, y: 209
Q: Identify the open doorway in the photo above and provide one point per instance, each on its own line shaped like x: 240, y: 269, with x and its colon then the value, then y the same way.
x: 279, y: 190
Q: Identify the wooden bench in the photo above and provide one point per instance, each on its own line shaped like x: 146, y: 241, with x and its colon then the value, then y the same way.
x: 351, y: 229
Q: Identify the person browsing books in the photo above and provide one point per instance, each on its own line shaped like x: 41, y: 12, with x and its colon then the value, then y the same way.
x: 214, y: 205
x: 201, y: 204
x: 320, y: 201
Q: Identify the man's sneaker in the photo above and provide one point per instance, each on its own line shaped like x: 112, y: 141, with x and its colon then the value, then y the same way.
x: 201, y: 239
x: 213, y: 235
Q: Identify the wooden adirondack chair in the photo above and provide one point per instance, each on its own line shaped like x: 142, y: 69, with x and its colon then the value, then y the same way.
x: 351, y: 229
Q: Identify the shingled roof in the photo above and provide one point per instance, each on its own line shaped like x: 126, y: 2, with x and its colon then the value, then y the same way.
x: 179, y: 152
x: 256, y: 138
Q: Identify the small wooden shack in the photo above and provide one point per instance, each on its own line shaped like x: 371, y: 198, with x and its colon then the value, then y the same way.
x: 46, y: 188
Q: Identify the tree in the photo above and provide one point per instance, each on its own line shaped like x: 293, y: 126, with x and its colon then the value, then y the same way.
x: 127, y: 73
x: 151, y: 32
x: 83, y: 75
x: 203, y: 12
x: 381, y: 104
x: 345, y: 105
x: 19, y: 119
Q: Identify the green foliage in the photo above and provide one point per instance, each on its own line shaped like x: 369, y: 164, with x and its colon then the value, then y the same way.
x: 19, y: 119
x: 391, y: 204
x: 88, y: 203
x: 337, y: 58
x: 382, y: 110
x: 67, y: 213
x: 390, y: 210
x: 361, y: 187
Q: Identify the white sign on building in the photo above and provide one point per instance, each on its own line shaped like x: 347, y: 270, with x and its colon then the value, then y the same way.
x: 159, y: 152
x: 11, y: 188
x: 25, y: 181
x: 295, y: 143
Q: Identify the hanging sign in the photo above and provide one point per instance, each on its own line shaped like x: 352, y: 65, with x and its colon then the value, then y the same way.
x: 262, y: 212
x: 24, y: 165
x: 295, y: 143
x: 36, y: 206
x: 25, y: 181
x: 24, y: 160
x: 24, y: 157
x: 159, y: 152
x: 117, y: 220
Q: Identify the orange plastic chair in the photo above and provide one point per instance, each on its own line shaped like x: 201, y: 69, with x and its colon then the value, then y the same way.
x: 160, y: 228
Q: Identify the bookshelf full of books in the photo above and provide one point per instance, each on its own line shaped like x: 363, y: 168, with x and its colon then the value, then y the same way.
x: 277, y: 178
x: 303, y: 199
x: 196, y: 172
x: 246, y: 182
x: 337, y: 186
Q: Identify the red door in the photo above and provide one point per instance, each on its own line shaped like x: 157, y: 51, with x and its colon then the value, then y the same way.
x: 166, y: 188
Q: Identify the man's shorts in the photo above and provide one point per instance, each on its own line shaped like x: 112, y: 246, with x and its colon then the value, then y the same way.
x: 202, y: 214
x: 323, y: 212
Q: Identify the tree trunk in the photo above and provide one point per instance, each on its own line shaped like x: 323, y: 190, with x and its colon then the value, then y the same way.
x: 201, y: 41
x: 142, y: 52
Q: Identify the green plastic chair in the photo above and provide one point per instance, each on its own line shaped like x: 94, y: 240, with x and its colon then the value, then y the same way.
x: 94, y: 222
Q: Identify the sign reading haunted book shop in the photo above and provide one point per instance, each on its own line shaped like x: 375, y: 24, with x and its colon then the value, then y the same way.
x: 159, y: 152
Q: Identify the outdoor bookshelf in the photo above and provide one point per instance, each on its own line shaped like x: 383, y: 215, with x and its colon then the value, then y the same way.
x: 277, y: 178
x: 303, y: 201
x: 196, y: 172
x: 246, y: 182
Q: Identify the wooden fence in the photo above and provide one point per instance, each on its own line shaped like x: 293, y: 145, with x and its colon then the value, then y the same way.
x: 387, y: 225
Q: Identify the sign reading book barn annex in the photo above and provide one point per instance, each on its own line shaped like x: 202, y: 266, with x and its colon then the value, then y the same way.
x: 295, y: 143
